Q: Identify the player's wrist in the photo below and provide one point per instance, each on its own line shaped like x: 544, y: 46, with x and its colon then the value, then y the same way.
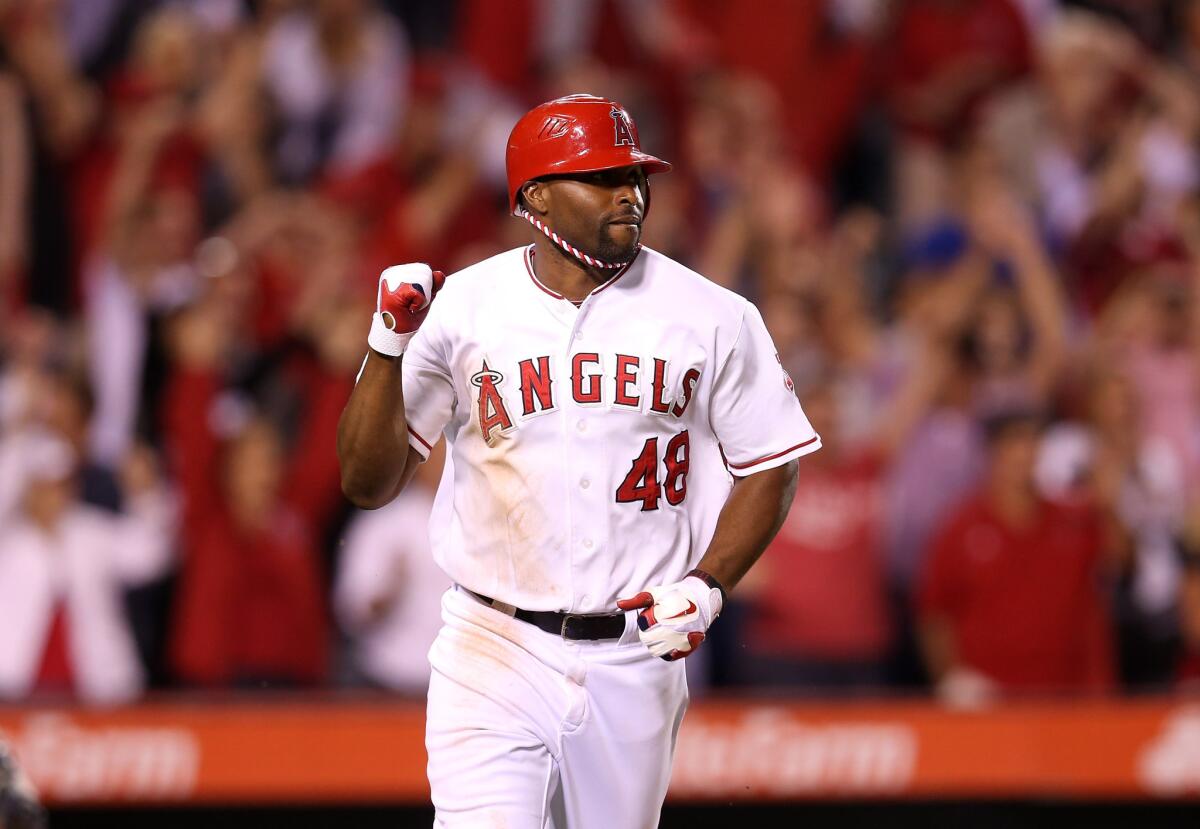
x: 709, y: 579
x: 706, y: 592
x: 384, y: 340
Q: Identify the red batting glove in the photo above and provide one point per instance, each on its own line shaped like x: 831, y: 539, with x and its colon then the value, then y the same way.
x: 401, y: 305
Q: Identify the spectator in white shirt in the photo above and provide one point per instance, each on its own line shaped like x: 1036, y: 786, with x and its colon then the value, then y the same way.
x: 389, y: 590
x: 64, y: 567
x: 337, y: 75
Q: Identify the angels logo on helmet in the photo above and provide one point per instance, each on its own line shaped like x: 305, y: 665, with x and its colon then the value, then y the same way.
x: 569, y: 135
x: 624, y: 135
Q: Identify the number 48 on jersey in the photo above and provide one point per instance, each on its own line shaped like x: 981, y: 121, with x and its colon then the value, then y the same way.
x: 642, y: 481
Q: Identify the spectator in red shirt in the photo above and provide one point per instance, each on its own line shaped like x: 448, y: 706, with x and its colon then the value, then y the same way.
x: 819, y: 616
x: 250, y: 605
x: 814, y: 56
x: 1011, y: 595
x: 947, y: 56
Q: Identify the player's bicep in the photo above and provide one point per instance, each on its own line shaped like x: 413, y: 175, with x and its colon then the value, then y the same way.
x: 429, y: 395
x: 412, y: 462
x: 754, y: 411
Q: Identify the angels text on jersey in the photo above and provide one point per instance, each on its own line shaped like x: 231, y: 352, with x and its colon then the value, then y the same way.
x: 616, y: 381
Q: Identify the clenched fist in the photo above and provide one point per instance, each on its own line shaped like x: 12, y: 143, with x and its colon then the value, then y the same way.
x: 675, y: 618
x: 401, y: 305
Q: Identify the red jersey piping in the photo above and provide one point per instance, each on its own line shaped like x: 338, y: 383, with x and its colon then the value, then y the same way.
x: 529, y: 251
x: 424, y: 442
x: 811, y: 440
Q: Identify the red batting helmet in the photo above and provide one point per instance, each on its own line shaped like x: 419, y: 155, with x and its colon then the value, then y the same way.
x: 575, y: 134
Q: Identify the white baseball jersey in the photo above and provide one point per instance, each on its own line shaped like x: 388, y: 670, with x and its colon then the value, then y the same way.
x: 590, y: 447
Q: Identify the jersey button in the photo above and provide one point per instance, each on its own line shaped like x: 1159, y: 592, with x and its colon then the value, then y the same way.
x: 581, y: 425
x: 587, y: 543
x: 585, y: 483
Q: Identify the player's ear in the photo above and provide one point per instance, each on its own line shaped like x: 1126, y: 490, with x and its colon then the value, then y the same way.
x: 535, y: 194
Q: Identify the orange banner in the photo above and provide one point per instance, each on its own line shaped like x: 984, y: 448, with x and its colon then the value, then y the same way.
x: 353, y: 752
x: 1076, y: 749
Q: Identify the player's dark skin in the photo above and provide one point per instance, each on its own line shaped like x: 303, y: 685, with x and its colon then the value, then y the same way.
x: 601, y: 214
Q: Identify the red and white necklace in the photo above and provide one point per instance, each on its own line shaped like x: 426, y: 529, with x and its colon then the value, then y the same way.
x: 571, y: 249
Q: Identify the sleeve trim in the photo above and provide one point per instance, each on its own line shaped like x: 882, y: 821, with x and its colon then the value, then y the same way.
x: 756, y: 462
x: 426, y: 444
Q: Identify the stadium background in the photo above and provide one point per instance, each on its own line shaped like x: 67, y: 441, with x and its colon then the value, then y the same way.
x: 961, y: 218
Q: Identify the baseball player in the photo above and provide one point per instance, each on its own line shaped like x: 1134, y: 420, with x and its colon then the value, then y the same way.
x: 622, y: 445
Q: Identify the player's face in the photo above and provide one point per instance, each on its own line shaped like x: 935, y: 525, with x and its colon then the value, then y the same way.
x: 600, y: 212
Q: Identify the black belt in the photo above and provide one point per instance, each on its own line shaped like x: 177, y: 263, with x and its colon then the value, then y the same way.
x: 567, y: 625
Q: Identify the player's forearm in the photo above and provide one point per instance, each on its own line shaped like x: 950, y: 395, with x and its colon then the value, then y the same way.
x: 748, y: 521
x: 372, y: 440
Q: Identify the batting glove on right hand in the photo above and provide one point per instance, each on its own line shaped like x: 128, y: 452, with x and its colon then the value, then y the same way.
x: 675, y: 618
x: 401, y: 305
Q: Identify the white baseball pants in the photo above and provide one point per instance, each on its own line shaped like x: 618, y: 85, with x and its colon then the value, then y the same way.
x: 527, y: 730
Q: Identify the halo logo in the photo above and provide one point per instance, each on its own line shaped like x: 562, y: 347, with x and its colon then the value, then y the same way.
x: 488, y: 376
x: 493, y: 414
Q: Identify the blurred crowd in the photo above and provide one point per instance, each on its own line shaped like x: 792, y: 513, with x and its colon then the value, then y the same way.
x: 972, y: 226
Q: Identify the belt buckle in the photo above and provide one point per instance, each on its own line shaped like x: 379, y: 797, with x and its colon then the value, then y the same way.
x: 567, y: 617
